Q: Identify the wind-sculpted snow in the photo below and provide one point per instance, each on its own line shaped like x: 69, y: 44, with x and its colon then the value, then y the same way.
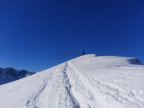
x: 85, y: 82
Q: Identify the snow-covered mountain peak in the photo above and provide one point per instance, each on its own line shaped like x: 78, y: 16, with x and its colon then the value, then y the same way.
x: 85, y: 82
x: 105, y: 61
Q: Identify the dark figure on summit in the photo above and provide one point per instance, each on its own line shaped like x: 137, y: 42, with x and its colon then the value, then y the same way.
x: 83, y: 53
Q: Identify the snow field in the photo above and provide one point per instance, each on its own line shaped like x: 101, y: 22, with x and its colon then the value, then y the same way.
x: 85, y: 82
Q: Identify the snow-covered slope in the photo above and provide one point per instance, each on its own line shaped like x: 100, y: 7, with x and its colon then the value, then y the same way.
x: 10, y: 74
x: 85, y: 82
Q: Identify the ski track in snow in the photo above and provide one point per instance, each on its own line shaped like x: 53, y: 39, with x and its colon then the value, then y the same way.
x: 77, y: 90
x: 68, y: 87
x: 31, y: 103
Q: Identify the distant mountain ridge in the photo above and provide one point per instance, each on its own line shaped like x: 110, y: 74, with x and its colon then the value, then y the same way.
x: 10, y: 74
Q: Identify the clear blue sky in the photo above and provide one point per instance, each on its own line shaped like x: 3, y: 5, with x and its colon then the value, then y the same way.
x: 38, y: 34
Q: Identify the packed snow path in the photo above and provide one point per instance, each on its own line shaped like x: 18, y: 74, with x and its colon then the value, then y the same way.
x: 85, y: 82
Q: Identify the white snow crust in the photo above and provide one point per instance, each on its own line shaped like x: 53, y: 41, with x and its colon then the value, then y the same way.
x: 88, y: 81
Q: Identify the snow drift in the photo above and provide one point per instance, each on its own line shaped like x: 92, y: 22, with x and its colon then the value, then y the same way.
x: 85, y: 82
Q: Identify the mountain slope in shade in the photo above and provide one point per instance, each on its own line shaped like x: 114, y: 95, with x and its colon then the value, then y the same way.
x: 85, y: 82
x: 10, y: 74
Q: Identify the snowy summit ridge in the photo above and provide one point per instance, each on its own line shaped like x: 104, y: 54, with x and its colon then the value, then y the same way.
x: 85, y: 82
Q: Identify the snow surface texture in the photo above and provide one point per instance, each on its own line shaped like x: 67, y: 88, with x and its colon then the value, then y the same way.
x: 9, y: 74
x: 85, y: 82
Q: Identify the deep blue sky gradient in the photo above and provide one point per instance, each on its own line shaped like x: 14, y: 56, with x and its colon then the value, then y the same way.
x: 38, y: 34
